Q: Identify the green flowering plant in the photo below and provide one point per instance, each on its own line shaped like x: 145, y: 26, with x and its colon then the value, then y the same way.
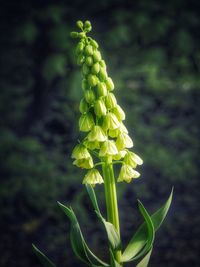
x: 105, y: 144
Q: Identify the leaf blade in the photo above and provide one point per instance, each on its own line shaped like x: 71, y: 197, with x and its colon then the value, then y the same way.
x: 79, y: 245
x: 145, y: 261
x: 139, y: 239
x: 111, y: 231
x: 44, y: 260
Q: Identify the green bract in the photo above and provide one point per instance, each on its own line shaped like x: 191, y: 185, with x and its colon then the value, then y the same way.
x: 105, y: 143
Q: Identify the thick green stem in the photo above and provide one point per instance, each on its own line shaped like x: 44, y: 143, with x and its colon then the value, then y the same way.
x: 111, y: 199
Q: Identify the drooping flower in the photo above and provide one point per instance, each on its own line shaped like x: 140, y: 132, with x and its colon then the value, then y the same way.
x: 120, y: 155
x: 80, y: 152
x: 92, y: 145
x: 127, y: 174
x: 93, y: 177
x: 108, y: 148
x: 86, y: 122
x: 110, y: 122
x: 96, y: 134
x: 132, y: 159
x: 86, y: 163
x: 119, y: 113
x: 110, y: 101
x: 100, y: 108
x: 124, y: 141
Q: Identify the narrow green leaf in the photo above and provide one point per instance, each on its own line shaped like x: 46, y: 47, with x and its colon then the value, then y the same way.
x: 92, y: 196
x: 145, y: 261
x: 139, y: 239
x: 111, y: 231
x: 44, y: 260
x: 79, y: 245
x: 150, y: 232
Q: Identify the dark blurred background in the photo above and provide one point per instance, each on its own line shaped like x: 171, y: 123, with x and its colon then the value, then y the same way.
x: 152, y: 49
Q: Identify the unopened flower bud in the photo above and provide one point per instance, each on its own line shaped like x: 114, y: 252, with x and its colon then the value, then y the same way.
x: 89, y: 61
x: 110, y: 101
x: 100, y: 108
x: 86, y: 122
x: 83, y: 107
x: 87, y: 24
x: 85, y: 69
x: 102, y: 64
x: 96, y: 56
x: 96, y: 134
x: 124, y: 141
x: 88, y: 50
x: 108, y: 148
x: 102, y: 74
x: 132, y: 159
x: 74, y: 34
x: 85, y: 86
x: 79, y: 24
x: 80, y: 59
x: 118, y: 111
x: 93, y: 177
x: 80, y: 152
x: 81, y: 34
x: 80, y: 47
x: 95, y: 68
x: 109, y: 84
x: 92, y: 80
x: 94, y: 44
x: 89, y: 96
x: 101, y: 89
x: 127, y: 173
x: 84, y: 163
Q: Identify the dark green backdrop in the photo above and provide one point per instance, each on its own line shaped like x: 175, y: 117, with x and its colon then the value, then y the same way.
x: 152, y: 52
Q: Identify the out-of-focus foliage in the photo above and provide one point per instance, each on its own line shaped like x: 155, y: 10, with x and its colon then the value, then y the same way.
x: 152, y: 50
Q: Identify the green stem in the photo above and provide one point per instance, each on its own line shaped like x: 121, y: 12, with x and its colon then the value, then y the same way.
x: 111, y: 200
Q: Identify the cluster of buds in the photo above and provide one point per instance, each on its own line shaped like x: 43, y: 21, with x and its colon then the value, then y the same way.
x: 101, y: 116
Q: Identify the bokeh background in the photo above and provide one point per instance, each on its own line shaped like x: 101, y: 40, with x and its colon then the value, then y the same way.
x: 152, y: 49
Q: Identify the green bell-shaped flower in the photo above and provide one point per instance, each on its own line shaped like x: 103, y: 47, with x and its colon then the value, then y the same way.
x: 120, y: 155
x: 93, y: 177
x: 80, y: 152
x: 108, y: 148
x: 86, y: 122
x: 110, y: 122
x: 124, y: 141
x: 110, y: 101
x: 114, y: 133
x: 118, y: 111
x: 100, y: 108
x: 83, y: 107
x: 132, y: 159
x: 92, y: 144
x: 86, y: 163
x: 127, y: 174
x: 97, y: 134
